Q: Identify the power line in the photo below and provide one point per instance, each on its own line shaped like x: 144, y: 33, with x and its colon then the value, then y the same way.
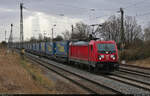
x: 105, y: 15
x: 147, y: 13
x: 98, y: 9
x: 72, y: 6
x: 131, y: 5
x: 83, y: 8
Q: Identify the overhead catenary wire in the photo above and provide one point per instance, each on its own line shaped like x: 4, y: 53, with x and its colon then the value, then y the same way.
x: 79, y: 8
x: 73, y: 6
x: 134, y: 4
x: 82, y: 8
x: 144, y: 14
x: 97, y: 9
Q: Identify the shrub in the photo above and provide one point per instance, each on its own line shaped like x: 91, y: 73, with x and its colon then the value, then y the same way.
x: 140, y: 52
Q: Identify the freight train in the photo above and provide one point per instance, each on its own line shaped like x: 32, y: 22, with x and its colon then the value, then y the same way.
x: 98, y: 55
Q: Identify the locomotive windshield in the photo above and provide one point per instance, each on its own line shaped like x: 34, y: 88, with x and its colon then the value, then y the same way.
x: 103, y: 48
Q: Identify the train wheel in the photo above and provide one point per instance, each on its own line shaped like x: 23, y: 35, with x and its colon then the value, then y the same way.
x: 70, y: 62
x: 89, y: 68
x: 84, y: 66
x: 76, y: 64
x: 81, y: 66
x: 92, y: 69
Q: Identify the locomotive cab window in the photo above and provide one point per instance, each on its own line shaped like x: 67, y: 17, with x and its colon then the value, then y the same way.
x: 103, y: 48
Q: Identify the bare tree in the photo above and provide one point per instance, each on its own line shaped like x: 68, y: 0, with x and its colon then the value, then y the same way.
x: 33, y: 39
x: 147, y: 33
x: 40, y: 37
x: 132, y: 29
x: 81, y: 31
x: 66, y: 34
x: 111, y: 29
x: 58, y: 38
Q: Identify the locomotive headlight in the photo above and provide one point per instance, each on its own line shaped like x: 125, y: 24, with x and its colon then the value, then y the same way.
x: 100, y: 57
x: 113, y: 57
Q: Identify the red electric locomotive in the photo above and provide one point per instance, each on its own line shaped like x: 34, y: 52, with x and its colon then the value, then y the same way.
x: 100, y: 55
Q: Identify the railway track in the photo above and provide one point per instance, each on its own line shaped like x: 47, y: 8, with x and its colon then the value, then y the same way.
x: 130, y: 81
x: 112, y: 84
x: 134, y: 66
x: 87, y: 84
x: 135, y: 69
x: 134, y: 72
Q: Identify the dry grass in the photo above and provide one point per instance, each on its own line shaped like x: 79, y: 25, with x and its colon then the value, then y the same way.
x: 136, y: 52
x: 37, y: 75
x: 15, y: 79
x: 142, y: 63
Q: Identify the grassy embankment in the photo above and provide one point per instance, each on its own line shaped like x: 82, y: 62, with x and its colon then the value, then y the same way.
x: 137, y: 54
x: 21, y: 76
x: 37, y: 75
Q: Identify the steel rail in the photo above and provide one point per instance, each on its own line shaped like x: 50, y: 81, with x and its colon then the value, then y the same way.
x: 42, y: 62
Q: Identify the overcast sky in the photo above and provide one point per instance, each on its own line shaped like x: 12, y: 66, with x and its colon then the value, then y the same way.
x: 41, y: 15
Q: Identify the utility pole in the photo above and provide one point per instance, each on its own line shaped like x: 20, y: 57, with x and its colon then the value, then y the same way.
x: 92, y: 10
x: 122, y: 34
x: 93, y: 28
x: 122, y: 26
x: 52, y: 34
x: 5, y: 35
x: 21, y: 25
x: 53, y: 30
x: 10, y: 41
x: 45, y: 36
x: 72, y: 29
